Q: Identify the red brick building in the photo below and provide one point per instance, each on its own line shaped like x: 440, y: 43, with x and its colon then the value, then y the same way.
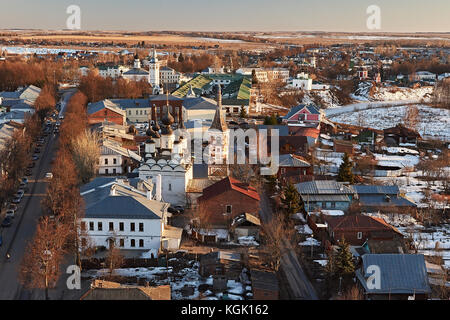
x: 105, y: 110
x: 221, y: 202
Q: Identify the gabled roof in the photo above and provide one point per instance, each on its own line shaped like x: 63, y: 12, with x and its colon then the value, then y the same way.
x: 294, y: 161
x: 311, y: 108
x: 324, y: 187
x: 375, y: 189
x: 359, y: 222
x: 125, y: 202
x: 228, y: 184
x: 94, y: 107
x: 400, y: 273
x: 199, y: 103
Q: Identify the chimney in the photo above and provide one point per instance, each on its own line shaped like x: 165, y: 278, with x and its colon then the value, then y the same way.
x: 113, y: 190
x: 158, y: 193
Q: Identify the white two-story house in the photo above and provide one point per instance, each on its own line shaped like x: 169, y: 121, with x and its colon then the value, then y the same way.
x: 119, y: 214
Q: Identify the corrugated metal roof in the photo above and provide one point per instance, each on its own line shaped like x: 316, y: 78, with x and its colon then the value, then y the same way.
x: 400, y: 273
x: 374, y: 189
x: 324, y: 187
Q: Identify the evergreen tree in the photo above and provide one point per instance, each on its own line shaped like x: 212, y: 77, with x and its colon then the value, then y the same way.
x: 292, y: 200
x: 344, y: 260
x: 270, y: 121
x: 180, y: 57
x: 345, y: 170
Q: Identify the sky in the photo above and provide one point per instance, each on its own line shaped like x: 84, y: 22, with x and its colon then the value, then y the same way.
x: 229, y: 15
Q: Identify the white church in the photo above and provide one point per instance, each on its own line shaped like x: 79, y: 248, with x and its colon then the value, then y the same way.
x: 137, y: 73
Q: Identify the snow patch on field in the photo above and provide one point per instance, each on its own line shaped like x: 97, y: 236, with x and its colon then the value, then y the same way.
x: 433, y: 122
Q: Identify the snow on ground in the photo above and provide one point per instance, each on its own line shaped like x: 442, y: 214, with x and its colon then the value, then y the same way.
x: 248, y: 241
x: 304, y: 229
x: 364, y: 93
x: 407, y: 161
x: 310, y: 242
x: 397, y: 150
x: 433, y: 122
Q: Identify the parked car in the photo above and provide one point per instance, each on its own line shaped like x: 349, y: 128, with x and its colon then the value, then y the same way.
x: 25, y: 180
x: 35, y: 157
x: 31, y: 165
x: 49, y: 175
x: 12, y: 206
x: 37, y: 150
x: 17, y: 200
x: 6, y: 222
x: 10, y: 213
x: 28, y: 172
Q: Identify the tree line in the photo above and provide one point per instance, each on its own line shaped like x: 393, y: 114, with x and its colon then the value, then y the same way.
x: 58, y: 232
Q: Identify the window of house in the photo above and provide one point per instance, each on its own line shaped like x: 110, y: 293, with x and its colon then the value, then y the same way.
x: 359, y: 235
x: 141, y: 243
x: 106, y: 171
x: 114, y: 171
x: 83, y: 225
x: 91, y: 226
x: 133, y: 243
x: 229, y: 208
x: 100, y: 226
x: 111, y: 226
x: 333, y: 205
x: 132, y: 227
x: 324, y: 205
x: 121, y: 226
x: 141, y: 227
x: 170, y: 187
x: 114, y: 161
x: 122, y: 243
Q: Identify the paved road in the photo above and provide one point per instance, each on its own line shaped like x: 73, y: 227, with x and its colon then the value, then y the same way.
x: 24, y: 225
x: 301, y: 287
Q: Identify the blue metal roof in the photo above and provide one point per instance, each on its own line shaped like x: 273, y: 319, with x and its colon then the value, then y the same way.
x: 399, y: 273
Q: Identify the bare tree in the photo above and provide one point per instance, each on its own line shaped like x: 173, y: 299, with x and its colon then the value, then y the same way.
x: 279, y: 235
x: 40, y: 267
x: 86, y: 152
x: 115, y: 259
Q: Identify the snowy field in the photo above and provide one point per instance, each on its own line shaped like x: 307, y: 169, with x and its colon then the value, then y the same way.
x: 434, y: 122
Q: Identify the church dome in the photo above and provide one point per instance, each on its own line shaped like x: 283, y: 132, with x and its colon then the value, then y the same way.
x: 167, y: 119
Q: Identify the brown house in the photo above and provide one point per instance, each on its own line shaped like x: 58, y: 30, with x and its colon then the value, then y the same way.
x: 400, y: 134
x: 357, y: 229
x: 105, y: 111
x: 343, y: 146
x: 264, y: 285
x: 221, y: 202
x: 292, y: 168
x: 221, y: 263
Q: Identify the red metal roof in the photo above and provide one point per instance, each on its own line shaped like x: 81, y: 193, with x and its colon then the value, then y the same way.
x: 358, y: 222
x: 228, y: 184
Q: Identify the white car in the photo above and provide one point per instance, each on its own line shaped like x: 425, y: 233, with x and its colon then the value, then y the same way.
x: 10, y: 213
x: 49, y: 175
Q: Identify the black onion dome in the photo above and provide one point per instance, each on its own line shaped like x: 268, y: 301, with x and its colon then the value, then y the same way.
x: 167, y: 119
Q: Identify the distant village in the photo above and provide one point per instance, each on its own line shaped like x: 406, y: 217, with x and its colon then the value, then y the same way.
x: 360, y: 143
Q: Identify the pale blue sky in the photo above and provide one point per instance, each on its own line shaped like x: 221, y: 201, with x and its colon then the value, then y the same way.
x: 229, y: 15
